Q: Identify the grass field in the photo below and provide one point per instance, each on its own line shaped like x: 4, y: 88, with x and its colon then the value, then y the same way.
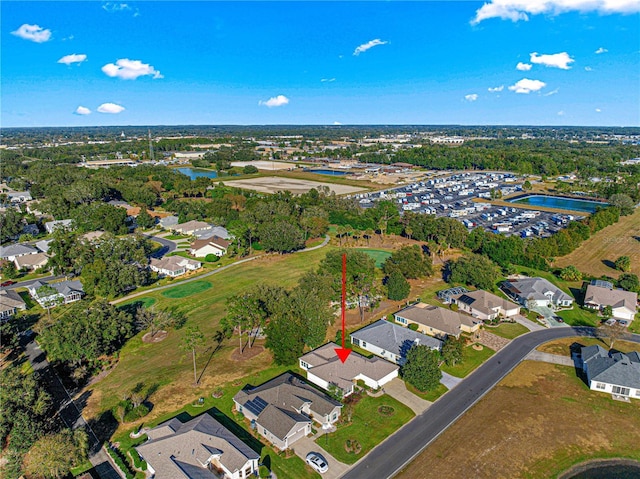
x: 563, y: 346
x: 539, y: 421
x: 471, y: 359
x: 378, y: 255
x: 596, y: 255
x: 432, y: 395
x: 165, y: 367
x: 369, y: 427
x: 507, y: 330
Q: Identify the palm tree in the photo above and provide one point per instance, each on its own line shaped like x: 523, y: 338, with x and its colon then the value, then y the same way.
x: 192, y: 338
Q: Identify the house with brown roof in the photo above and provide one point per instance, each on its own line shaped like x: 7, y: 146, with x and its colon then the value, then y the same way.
x: 214, y: 245
x: 325, y: 369
x: 285, y: 407
x: 436, y: 321
x: 484, y: 305
x: 623, y: 303
x: 173, y: 265
x: 10, y: 303
x: 201, y: 448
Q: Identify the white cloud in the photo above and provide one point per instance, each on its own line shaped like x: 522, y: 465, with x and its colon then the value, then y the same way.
x: 366, y: 46
x: 496, y: 89
x: 523, y: 67
x: 337, y: 123
x: 82, y: 110
x: 130, y: 69
x: 552, y: 92
x: 600, y: 50
x: 34, y: 33
x: 327, y: 80
x: 516, y: 10
x: 588, y: 69
x: 598, y: 110
x: 527, y: 86
x: 115, y: 7
x: 471, y: 97
x: 561, y: 113
x: 557, y: 60
x: 110, y: 108
x: 73, y: 58
x: 275, y: 101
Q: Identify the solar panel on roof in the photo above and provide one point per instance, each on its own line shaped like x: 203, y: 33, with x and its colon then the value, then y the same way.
x: 601, y: 283
x: 256, y: 405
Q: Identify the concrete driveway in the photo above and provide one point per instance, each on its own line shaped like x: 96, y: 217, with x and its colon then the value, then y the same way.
x: 397, y: 390
x: 449, y: 380
x: 304, y: 446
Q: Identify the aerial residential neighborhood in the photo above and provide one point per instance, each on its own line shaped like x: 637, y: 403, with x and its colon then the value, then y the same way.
x: 339, y: 239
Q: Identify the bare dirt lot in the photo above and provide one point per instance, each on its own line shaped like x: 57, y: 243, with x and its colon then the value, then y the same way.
x: 273, y: 184
x: 539, y: 421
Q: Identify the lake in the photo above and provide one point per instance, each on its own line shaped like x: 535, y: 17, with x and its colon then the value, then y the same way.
x: 585, y: 206
x: 194, y: 173
x: 328, y: 172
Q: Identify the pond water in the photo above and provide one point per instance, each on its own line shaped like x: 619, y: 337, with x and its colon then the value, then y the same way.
x: 329, y: 172
x: 194, y: 173
x: 609, y: 471
x: 586, y: 206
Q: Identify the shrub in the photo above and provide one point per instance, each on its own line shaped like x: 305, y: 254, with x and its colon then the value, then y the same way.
x: 136, y: 413
x: 211, y: 258
x: 120, y: 461
x: 264, y: 470
x: 413, y: 327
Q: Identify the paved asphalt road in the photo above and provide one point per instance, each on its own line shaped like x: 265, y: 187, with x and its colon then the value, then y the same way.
x: 24, y: 284
x: 388, y: 458
x: 168, y: 246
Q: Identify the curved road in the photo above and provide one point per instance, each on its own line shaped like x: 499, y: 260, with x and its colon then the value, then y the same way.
x: 389, y: 457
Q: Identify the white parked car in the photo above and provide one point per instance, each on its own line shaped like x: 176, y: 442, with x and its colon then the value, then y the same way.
x: 317, y: 462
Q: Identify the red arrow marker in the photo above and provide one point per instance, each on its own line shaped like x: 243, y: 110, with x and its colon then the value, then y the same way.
x: 343, y: 353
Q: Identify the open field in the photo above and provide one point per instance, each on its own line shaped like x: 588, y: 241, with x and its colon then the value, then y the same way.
x: 539, y: 421
x: 596, y: 255
x: 471, y: 360
x: 563, y: 346
x: 507, y: 330
x: 266, y: 165
x: 273, y: 184
x: 378, y: 255
x: 165, y: 366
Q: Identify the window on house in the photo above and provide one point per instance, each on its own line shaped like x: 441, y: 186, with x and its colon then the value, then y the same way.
x: 620, y: 390
x: 335, y: 414
x: 355, y: 341
x: 364, y: 345
x: 638, y: 393
x: 600, y: 386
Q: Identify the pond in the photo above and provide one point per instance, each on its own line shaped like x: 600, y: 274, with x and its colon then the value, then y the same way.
x: 573, y: 204
x: 194, y: 173
x: 607, y: 470
x: 329, y: 172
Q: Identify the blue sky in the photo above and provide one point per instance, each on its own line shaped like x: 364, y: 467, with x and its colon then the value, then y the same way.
x: 552, y: 62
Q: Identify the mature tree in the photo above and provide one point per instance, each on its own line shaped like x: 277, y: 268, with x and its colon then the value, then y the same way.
x: 9, y: 338
x: 410, y: 261
x: 145, y: 220
x: 623, y: 263
x: 313, y: 315
x: 607, y: 311
x: 570, y: 273
x: 473, y: 269
x: 526, y: 186
x: 9, y: 270
x: 245, y: 311
x: 314, y: 221
x: 285, y: 339
x: 249, y: 170
x: 53, y: 456
x: 421, y: 368
x: 159, y: 320
x: 281, y: 237
x: 191, y: 340
x: 622, y: 201
x: 629, y: 281
x: 397, y: 286
x: 613, y: 332
x: 10, y: 224
x: 452, y: 350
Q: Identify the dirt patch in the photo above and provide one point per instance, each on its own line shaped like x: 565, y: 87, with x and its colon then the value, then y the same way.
x: 159, y: 336
x: 273, y: 184
x: 248, y: 353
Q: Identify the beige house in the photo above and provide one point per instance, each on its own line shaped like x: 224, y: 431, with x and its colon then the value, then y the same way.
x: 200, y: 448
x: 173, y: 265
x: 438, y: 322
x: 190, y: 227
x: 623, y: 303
x: 484, y: 305
x: 31, y: 261
x: 214, y: 245
x: 10, y: 303
x: 325, y: 369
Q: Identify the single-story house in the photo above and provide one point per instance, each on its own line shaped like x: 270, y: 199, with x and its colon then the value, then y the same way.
x: 438, y: 322
x: 19, y: 196
x: 214, y: 245
x: 190, y: 227
x: 536, y: 292
x: 168, y: 222
x: 31, y: 261
x: 43, y: 245
x: 219, y: 231
x: 285, y: 407
x: 51, y: 226
x: 484, y: 305
x: 200, y: 448
x: 13, y: 251
x: 67, y: 292
x: 391, y: 341
x: 173, y: 265
x: 10, y: 303
x: 325, y: 369
x: 92, y: 236
x: 615, y: 373
x: 623, y: 303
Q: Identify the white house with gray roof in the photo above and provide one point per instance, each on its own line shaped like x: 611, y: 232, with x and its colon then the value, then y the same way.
x: 51, y: 226
x: 536, y: 292
x: 13, y: 251
x: 66, y: 292
x: 484, y: 305
x: 201, y: 448
x: 285, y: 407
x: 391, y: 341
x: 615, y: 373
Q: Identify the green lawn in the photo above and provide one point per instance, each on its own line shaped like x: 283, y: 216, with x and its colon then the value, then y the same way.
x: 378, y: 255
x: 188, y: 289
x: 507, y: 330
x: 176, y: 237
x: 471, y: 359
x: 145, y: 301
x: 432, y: 395
x: 579, y: 317
x: 368, y: 426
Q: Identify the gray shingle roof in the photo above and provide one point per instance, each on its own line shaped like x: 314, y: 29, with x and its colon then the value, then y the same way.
x: 484, y: 301
x: 9, y: 299
x: 535, y: 288
x: 619, y: 369
x: 178, y: 449
x: 16, y: 250
x: 616, y: 298
x: 394, y: 338
x: 280, y: 421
